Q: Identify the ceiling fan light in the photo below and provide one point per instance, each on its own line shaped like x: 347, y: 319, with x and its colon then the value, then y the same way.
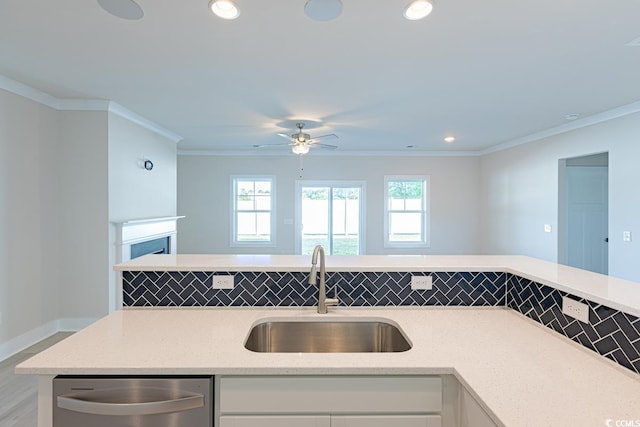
x: 225, y: 9
x: 418, y: 9
x: 300, y: 149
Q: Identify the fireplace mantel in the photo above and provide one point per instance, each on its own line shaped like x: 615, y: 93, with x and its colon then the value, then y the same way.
x: 142, y: 230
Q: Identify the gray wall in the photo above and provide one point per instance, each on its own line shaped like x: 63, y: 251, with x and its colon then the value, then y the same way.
x: 204, y: 197
x: 63, y: 176
x: 28, y: 256
x: 520, y: 193
x: 134, y: 192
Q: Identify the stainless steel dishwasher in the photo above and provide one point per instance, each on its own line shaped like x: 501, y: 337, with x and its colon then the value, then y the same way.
x: 132, y: 402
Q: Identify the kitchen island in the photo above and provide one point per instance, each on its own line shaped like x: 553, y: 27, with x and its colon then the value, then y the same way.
x: 521, y: 372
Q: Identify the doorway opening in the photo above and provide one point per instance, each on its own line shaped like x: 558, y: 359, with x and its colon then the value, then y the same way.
x: 583, y: 212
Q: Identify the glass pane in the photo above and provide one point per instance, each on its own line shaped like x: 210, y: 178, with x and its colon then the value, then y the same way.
x: 315, y: 218
x: 404, y: 195
x: 405, y: 227
x: 263, y: 226
x: 310, y: 242
x: 263, y: 203
x: 245, y: 187
x: 263, y: 187
x: 346, y: 221
x: 254, y: 227
x: 246, y: 225
x: 245, y: 203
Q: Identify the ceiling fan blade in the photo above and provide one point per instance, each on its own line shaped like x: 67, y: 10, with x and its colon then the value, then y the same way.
x: 284, y: 135
x: 270, y: 145
x: 327, y: 136
x: 325, y: 146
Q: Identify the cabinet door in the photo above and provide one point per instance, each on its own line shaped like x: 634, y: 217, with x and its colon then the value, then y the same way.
x: 275, y: 421
x: 472, y: 414
x: 386, y: 421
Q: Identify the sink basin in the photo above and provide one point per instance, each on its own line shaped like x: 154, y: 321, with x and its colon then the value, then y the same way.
x: 326, y: 337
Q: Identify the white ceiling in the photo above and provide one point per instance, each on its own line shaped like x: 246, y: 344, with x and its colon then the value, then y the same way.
x: 487, y: 71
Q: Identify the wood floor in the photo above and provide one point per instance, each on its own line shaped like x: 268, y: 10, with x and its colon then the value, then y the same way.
x: 18, y: 393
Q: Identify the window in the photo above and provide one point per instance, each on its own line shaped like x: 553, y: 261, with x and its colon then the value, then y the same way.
x: 253, y: 211
x: 406, y: 211
x: 330, y: 214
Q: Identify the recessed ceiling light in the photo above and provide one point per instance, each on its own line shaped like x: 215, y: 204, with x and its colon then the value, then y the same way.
x: 225, y: 9
x: 125, y: 9
x: 449, y: 139
x: 418, y: 9
x: 573, y: 116
x: 323, y: 10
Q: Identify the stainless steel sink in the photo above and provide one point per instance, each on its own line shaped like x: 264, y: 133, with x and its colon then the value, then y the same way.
x: 326, y: 337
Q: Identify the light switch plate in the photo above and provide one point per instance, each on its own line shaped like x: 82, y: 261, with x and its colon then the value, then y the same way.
x: 626, y: 236
x: 547, y: 228
x: 424, y: 283
x: 223, y: 282
x: 575, y: 309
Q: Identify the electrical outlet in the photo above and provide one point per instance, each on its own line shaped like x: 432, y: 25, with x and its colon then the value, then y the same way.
x: 547, y: 228
x: 222, y: 282
x: 575, y: 309
x: 626, y: 236
x: 422, y: 283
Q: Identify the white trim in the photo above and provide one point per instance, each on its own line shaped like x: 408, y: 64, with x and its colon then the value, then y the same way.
x: 62, y: 104
x: 336, y: 153
x: 28, y: 92
x: 123, y: 112
x: 604, y: 116
x: 35, y: 335
x: 426, y: 210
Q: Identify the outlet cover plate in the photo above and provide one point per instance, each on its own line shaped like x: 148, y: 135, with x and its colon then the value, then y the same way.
x: 575, y: 309
x: 223, y: 282
x: 424, y: 283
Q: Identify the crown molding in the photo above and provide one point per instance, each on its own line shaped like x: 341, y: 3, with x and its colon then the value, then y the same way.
x: 61, y: 104
x: 28, y: 92
x: 337, y: 153
x: 604, y: 116
x: 125, y: 113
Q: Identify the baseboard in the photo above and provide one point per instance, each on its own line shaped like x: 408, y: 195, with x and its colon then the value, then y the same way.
x: 17, y: 344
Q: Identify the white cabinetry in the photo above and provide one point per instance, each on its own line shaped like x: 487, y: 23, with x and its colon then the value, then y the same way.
x: 471, y: 412
x: 386, y: 421
x: 330, y: 401
x: 275, y: 421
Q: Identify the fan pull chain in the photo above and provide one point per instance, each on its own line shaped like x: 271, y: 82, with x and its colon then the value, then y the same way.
x: 301, y: 167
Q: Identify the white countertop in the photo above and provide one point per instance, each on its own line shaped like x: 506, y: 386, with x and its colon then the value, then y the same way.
x: 526, y: 374
x: 616, y: 293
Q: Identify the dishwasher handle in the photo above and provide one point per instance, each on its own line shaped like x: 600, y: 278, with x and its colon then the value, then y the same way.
x: 73, y: 403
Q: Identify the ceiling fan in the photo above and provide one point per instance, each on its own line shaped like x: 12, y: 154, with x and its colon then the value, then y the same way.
x: 301, y: 142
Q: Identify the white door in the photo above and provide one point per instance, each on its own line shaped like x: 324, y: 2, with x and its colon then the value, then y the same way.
x: 330, y: 213
x: 587, y: 218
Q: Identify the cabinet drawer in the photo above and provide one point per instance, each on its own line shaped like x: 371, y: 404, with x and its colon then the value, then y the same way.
x: 330, y: 394
x: 275, y: 421
x: 386, y: 421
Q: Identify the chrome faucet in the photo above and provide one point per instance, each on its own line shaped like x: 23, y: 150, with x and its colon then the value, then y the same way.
x: 323, y: 301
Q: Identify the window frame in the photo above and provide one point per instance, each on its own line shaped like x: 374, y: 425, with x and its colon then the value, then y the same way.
x: 233, y: 239
x: 425, y: 241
